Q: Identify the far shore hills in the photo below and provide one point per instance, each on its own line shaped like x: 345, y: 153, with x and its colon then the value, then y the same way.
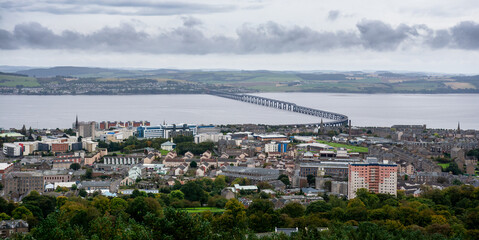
x: 95, y: 81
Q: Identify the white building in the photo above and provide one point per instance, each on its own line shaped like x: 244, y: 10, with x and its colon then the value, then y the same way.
x: 168, y: 146
x: 213, y: 137
x: 271, y: 147
x: 12, y: 150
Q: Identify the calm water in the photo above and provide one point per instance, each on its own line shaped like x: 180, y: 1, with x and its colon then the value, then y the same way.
x: 438, y: 111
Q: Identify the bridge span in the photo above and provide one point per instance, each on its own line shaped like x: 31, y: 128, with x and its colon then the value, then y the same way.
x: 337, y: 119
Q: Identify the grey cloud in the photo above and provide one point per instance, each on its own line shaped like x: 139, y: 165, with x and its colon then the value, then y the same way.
x: 380, y: 36
x: 466, y: 35
x: 115, y: 7
x: 270, y: 37
x: 191, y: 21
x: 333, y: 15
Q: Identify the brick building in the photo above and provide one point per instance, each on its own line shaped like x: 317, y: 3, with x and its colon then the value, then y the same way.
x: 19, y: 183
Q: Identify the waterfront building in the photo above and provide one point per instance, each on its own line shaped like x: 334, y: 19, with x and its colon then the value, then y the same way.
x: 372, y: 175
x: 166, y: 131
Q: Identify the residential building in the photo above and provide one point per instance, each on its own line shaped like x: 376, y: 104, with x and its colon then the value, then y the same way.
x: 121, y: 160
x: 372, y: 175
x: 86, y: 129
x: 11, y: 227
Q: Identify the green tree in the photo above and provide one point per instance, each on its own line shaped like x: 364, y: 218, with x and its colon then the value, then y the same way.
x: 194, y: 192
x: 318, y: 206
x: 88, y: 173
x: 293, y: 209
x: 220, y: 182
x: 75, y: 166
x: 177, y: 194
x: 4, y: 216
x: 21, y: 213
x: 311, y: 179
x: 118, y: 205
x: 233, y: 221
x: 285, y: 179
x: 83, y: 193
x: 193, y: 164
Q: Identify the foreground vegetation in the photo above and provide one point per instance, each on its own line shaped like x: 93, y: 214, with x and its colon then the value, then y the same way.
x: 452, y: 213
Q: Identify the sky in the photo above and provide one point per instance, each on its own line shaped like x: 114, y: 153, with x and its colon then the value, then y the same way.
x: 439, y: 36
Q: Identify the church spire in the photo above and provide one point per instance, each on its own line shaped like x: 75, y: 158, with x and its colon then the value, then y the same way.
x: 76, y: 123
x: 458, y: 127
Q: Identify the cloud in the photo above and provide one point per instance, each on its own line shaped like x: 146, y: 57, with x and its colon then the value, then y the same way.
x: 333, y: 15
x: 270, y: 37
x: 191, y: 21
x: 466, y: 35
x: 115, y: 7
x: 380, y: 36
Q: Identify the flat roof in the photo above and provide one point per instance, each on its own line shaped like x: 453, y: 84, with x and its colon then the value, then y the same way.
x: 11, y: 134
x: 3, y: 166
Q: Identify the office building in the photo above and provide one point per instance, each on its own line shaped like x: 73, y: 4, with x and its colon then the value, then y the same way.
x: 167, y: 131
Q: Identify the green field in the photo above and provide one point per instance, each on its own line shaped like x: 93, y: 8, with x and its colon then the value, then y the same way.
x: 13, y: 81
x: 203, y: 209
x: 164, y: 152
x: 350, y: 148
x: 444, y: 165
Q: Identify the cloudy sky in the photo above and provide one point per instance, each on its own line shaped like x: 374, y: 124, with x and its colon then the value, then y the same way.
x: 407, y: 35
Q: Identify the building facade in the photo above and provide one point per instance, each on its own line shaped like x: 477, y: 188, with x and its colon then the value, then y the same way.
x: 372, y: 175
x: 22, y: 182
x: 166, y: 131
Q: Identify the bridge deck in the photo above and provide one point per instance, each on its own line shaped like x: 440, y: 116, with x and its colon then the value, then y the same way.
x: 338, y: 119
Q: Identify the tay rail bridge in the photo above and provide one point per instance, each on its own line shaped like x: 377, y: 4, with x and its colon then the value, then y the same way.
x: 337, y: 119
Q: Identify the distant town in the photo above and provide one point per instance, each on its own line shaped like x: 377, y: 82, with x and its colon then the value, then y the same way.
x: 286, y: 165
x: 102, y: 81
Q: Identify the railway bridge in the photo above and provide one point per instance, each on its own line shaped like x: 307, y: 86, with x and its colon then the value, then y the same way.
x: 337, y: 119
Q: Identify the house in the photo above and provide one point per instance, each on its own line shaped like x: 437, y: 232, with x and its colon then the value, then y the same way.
x: 92, y: 186
x: 171, y: 155
x: 127, y: 182
x: 168, y: 146
x: 11, y: 227
x: 206, y: 155
x: 189, y: 155
x: 173, y: 162
x: 227, y: 193
x: 200, y: 172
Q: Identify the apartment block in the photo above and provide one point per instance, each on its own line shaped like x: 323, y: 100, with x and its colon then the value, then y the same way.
x: 372, y: 175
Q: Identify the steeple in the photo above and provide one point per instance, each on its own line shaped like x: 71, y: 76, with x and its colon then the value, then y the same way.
x: 76, y: 123
x: 321, y: 125
x: 458, y: 127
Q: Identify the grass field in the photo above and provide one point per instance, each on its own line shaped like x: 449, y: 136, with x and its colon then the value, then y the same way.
x: 13, y: 81
x: 350, y: 148
x: 444, y: 165
x: 202, y: 209
x: 164, y: 152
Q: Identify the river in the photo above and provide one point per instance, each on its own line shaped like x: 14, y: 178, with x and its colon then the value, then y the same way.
x: 436, y: 111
